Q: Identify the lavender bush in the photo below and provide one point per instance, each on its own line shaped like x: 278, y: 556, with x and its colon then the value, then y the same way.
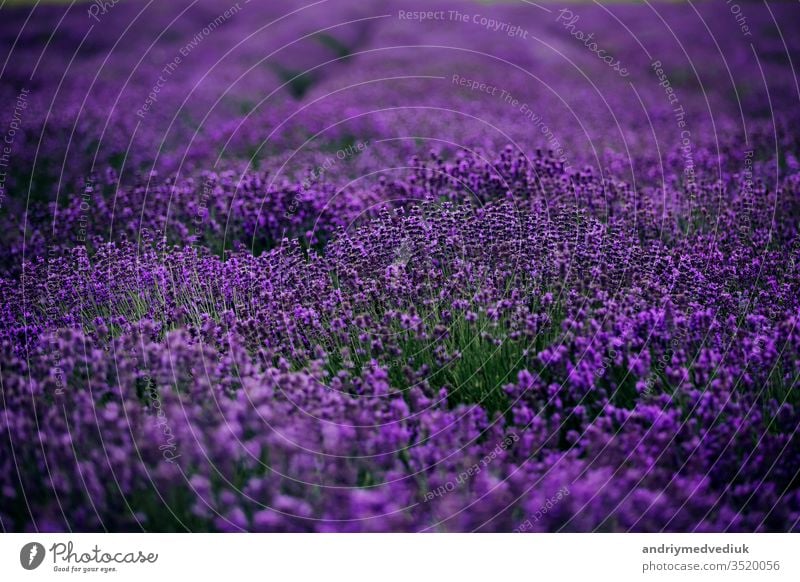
x: 342, y: 268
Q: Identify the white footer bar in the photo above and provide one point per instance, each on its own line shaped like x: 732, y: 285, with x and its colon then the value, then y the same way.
x: 401, y: 557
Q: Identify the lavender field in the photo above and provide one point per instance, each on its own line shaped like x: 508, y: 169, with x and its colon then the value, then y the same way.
x: 399, y: 266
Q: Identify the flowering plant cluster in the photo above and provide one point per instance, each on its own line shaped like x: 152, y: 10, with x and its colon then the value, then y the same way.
x: 326, y: 289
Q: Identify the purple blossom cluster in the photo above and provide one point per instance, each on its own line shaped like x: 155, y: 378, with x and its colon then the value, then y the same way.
x: 317, y: 283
